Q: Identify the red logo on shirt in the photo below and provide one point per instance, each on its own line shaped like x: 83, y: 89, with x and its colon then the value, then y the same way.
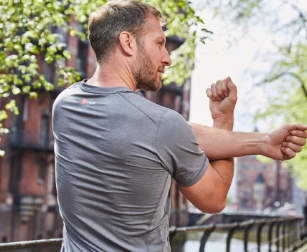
x: 84, y: 101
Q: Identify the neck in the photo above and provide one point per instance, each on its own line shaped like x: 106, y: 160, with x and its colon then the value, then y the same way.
x: 113, y: 74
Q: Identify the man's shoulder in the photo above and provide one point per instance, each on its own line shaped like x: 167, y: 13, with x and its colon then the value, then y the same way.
x: 173, y: 123
x: 152, y: 110
x: 66, y: 93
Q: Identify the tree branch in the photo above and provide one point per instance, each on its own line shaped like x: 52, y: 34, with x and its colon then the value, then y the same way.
x: 286, y: 73
x: 301, y: 17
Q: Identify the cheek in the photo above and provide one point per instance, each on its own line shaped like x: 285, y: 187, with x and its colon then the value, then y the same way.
x: 156, y: 57
x: 154, y: 54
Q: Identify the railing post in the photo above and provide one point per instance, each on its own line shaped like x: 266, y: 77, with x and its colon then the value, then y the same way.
x: 259, y: 229
x: 247, y: 229
x: 301, y: 230
x: 205, y: 237
x: 230, y: 234
x: 270, y: 235
x: 277, y: 235
x: 295, y: 243
x: 284, y: 236
x: 173, y: 231
x: 290, y: 234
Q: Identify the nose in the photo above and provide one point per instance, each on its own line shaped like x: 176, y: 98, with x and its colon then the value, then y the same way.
x: 166, y: 60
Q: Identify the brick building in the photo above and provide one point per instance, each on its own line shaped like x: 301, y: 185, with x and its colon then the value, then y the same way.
x: 28, y: 208
x: 262, y: 186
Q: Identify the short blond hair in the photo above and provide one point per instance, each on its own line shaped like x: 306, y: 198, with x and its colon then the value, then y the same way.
x: 116, y: 16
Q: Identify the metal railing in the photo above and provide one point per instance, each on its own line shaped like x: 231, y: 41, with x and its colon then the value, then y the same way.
x: 284, y: 241
x: 290, y: 234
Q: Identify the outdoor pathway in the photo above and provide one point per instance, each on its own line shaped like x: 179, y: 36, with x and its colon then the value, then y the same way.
x: 302, y: 249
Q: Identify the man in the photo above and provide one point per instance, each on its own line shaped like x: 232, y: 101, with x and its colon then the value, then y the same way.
x: 116, y: 152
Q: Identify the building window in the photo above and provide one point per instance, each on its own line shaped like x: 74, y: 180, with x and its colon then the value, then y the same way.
x: 81, y: 58
x: 259, y: 194
x: 255, y: 166
x: 244, y: 203
x: 44, y: 131
x: 41, y: 172
x: 245, y: 192
x: 47, y: 72
x: 245, y: 166
x: 4, y: 239
x: 264, y: 166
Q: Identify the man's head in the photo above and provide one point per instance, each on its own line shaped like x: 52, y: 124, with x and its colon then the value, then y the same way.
x: 135, y: 29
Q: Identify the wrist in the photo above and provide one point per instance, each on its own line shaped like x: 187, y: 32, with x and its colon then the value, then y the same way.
x: 264, y: 143
x: 224, y: 122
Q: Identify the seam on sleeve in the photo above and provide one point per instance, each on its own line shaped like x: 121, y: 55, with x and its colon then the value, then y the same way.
x: 137, y: 107
x: 154, y: 145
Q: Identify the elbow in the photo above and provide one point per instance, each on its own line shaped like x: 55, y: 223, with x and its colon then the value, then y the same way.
x: 215, y: 207
x: 220, y: 207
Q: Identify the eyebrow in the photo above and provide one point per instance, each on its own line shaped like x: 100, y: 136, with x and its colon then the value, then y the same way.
x: 161, y: 38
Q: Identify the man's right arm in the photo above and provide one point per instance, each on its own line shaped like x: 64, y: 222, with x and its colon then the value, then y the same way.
x: 219, y: 143
x: 281, y: 143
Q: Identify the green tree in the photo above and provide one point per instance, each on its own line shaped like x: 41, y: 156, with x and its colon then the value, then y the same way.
x: 287, y: 21
x: 27, y: 30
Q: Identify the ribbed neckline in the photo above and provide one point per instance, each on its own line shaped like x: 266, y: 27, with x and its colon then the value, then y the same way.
x: 103, y: 90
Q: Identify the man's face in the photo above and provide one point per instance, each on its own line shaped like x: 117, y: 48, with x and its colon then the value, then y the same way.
x: 151, y: 58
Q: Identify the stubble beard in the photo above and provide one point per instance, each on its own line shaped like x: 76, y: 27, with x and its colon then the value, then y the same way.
x: 144, y: 73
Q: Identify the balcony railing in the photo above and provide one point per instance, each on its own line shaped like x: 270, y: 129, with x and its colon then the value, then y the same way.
x: 32, y: 139
x: 290, y: 234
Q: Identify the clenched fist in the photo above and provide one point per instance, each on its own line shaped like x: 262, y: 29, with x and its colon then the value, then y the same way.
x: 284, y: 142
x: 223, y: 98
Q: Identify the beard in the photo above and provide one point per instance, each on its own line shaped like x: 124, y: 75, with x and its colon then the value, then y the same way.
x: 144, y: 73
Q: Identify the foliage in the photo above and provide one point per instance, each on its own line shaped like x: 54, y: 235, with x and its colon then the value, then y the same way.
x: 30, y: 28
x: 237, y: 11
x: 228, y: 200
x: 287, y: 77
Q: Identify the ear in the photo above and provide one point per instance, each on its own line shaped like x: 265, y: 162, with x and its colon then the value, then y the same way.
x: 127, y: 43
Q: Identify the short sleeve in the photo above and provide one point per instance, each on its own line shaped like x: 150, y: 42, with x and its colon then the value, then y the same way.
x: 177, y: 148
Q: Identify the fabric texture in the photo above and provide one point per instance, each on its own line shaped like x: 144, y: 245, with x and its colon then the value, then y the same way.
x: 115, y: 155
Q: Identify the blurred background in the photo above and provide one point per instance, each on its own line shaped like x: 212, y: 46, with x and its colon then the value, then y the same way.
x: 261, y: 45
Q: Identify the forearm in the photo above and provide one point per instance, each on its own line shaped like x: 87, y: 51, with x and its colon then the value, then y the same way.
x: 224, y: 167
x: 222, y: 143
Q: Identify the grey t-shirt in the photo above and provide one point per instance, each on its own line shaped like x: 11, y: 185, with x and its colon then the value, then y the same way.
x: 115, y: 155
